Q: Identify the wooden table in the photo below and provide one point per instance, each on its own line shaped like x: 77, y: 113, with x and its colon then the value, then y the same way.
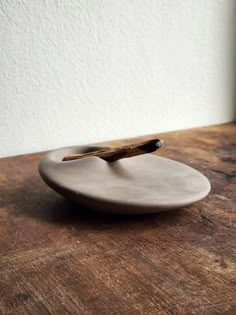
x: 58, y: 259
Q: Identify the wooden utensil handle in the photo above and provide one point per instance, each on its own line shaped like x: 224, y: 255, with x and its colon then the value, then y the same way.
x: 113, y: 154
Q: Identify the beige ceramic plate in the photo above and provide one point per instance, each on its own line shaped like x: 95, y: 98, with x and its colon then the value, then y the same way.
x: 145, y: 183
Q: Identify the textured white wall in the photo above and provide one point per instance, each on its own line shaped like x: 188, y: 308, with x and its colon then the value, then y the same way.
x: 75, y: 72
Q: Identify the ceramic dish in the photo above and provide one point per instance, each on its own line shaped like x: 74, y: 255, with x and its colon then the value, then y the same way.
x: 145, y: 183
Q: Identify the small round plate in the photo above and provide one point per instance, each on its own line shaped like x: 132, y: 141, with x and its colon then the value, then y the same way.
x: 141, y: 184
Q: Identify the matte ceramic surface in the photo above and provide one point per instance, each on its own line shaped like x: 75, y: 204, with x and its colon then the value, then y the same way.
x: 140, y: 184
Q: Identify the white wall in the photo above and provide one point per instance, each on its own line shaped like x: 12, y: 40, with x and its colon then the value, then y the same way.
x: 75, y: 72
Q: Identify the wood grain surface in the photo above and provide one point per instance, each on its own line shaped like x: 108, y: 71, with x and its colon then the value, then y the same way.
x: 57, y: 258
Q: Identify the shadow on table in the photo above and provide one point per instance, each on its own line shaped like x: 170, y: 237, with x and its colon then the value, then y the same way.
x: 35, y: 200
x: 66, y: 212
